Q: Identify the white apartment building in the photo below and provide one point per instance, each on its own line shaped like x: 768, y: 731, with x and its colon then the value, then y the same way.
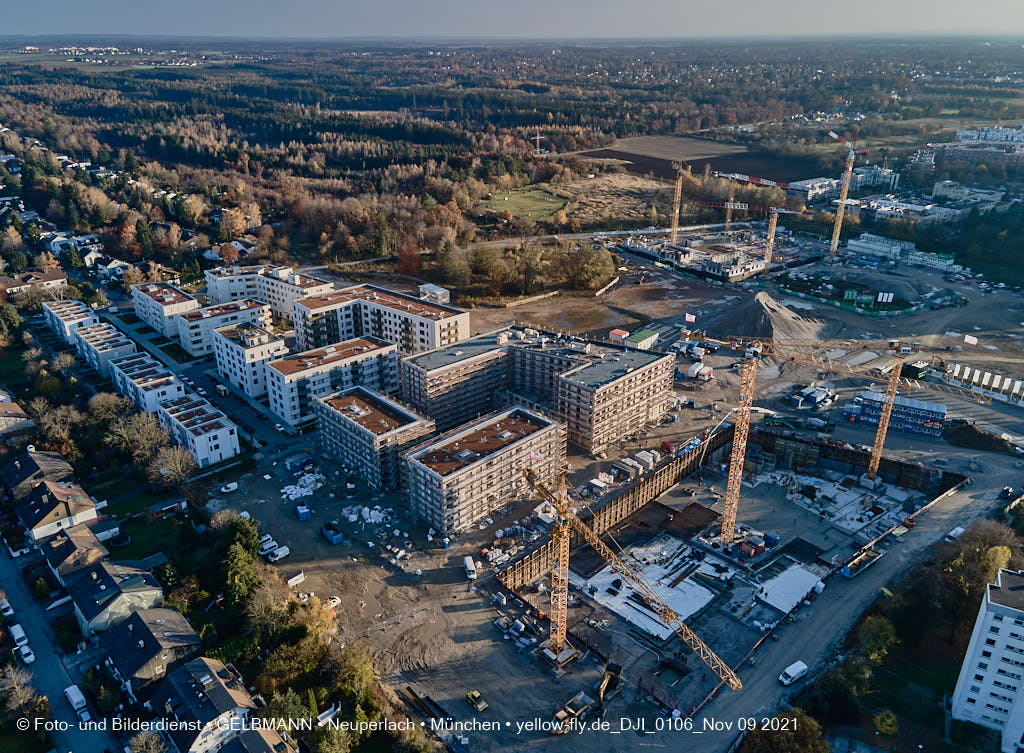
x: 953, y: 191
x: 414, y: 324
x: 200, y: 428
x: 157, y: 303
x: 877, y: 245
x: 294, y: 381
x: 99, y: 344
x: 195, y: 328
x: 145, y: 381
x: 992, y: 135
x: 242, y: 353
x: 277, y: 286
x: 460, y: 478
x: 989, y: 689
x: 64, y: 317
x: 815, y: 189
x: 874, y: 175
x: 364, y: 429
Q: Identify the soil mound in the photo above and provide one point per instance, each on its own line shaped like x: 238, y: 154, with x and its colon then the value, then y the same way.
x: 763, y: 316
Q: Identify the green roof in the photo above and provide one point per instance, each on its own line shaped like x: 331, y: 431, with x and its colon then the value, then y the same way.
x: 641, y: 335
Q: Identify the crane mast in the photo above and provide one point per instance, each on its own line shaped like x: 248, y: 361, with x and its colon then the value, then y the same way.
x: 844, y: 191
x: 769, y: 246
x: 883, y: 418
x: 677, y: 199
x: 748, y: 375
x: 560, y: 501
x: 560, y: 536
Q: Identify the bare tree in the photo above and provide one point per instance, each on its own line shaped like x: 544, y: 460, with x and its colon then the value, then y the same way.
x: 57, y: 423
x: 31, y: 354
x: 16, y: 688
x: 170, y: 467
x: 139, y: 435
x: 147, y: 742
x: 131, y: 276
x: 62, y: 362
x: 265, y: 608
x: 39, y: 407
x: 106, y: 406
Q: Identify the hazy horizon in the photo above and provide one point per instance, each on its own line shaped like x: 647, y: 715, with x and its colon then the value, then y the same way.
x: 662, y: 20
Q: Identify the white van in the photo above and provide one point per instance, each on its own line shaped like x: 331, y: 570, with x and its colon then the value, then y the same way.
x: 75, y: 697
x: 18, y: 634
x: 955, y: 534
x: 279, y: 554
x: 793, y: 672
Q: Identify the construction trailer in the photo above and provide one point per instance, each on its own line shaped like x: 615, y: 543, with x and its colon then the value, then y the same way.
x: 908, y: 415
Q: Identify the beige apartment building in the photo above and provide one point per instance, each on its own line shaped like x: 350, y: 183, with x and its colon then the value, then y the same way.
x: 601, y: 392
x: 242, y: 352
x: 462, y: 477
x: 366, y: 430
x: 414, y: 324
x: 293, y: 382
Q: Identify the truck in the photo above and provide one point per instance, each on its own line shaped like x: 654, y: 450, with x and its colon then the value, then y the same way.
x: 221, y: 390
x: 332, y: 532
x: 470, y: 566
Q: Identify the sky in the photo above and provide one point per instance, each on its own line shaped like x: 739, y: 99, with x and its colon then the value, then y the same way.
x: 522, y: 19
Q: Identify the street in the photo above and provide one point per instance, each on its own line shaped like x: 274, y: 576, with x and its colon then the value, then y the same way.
x: 49, y: 675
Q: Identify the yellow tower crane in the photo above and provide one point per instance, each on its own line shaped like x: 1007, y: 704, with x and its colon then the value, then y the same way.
x: 844, y: 191
x: 567, y: 519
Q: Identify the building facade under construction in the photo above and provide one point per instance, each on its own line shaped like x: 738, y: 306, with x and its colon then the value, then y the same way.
x: 602, y: 392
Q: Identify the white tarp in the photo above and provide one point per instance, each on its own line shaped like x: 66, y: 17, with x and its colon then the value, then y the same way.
x: 788, y: 588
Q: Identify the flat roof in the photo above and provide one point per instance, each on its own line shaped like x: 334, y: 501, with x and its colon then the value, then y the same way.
x: 103, y: 337
x: 290, y: 276
x: 1008, y: 590
x: 905, y: 402
x: 371, y: 410
x: 409, y: 304
x: 163, y: 293
x: 340, y: 351
x: 223, y: 309
x: 244, y: 333
x: 479, y: 440
x: 196, y: 415
x: 69, y: 311
x: 144, y: 371
x: 449, y: 355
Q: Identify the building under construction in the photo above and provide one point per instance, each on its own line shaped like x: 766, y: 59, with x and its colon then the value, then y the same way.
x: 602, y: 392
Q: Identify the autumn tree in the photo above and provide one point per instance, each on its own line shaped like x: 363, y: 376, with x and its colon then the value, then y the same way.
x: 106, y: 406
x: 797, y: 733
x: 227, y: 253
x: 131, y: 276
x: 46, y: 262
x: 409, y: 260
x: 16, y: 689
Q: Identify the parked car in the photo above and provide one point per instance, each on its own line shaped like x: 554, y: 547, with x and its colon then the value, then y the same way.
x: 18, y: 634
x: 6, y: 609
x: 279, y: 427
x: 279, y: 554
x: 264, y: 539
x: 268, y: 546
x: 228, y: 488
x: 26, y: 654
x: 793, y: 672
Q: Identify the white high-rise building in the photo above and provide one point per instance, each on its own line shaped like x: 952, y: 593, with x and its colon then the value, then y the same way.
x: 988, y: 691
x: 279, y: 287
x: 157, y: 303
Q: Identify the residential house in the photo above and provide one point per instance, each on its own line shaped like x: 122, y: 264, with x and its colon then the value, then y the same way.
x: 11, y: 285
x: 149, y: 644
x: 20, y: 476
x: 53, y: 506
x: 71, y: 551
x: 107, y: 593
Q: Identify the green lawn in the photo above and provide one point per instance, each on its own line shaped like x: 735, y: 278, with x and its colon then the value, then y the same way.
x: 533, y: 203
x: 148, y: 537
x: 177, y: 352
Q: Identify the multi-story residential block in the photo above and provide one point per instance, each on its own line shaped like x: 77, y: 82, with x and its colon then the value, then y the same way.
x: 99, y: 344
x: 414, y: 324
x: 815, y: 189
x: 157, y: 303
x: 602, y: 392
x: 456, y: 384
x: 990, y: 688
x: 200, y: 428
x: 279, y: 287
x: 294, y: 381
x: 145, y: 381
x: 195, y: 328
x: 64, y: 317
x: 364, y: 429
x: 458, y: 479
x: 242, y: 353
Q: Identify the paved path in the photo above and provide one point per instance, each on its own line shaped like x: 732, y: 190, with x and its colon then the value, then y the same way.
x: 49, y: 675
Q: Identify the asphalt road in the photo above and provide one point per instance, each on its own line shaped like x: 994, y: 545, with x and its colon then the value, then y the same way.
x: 49, y: 675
